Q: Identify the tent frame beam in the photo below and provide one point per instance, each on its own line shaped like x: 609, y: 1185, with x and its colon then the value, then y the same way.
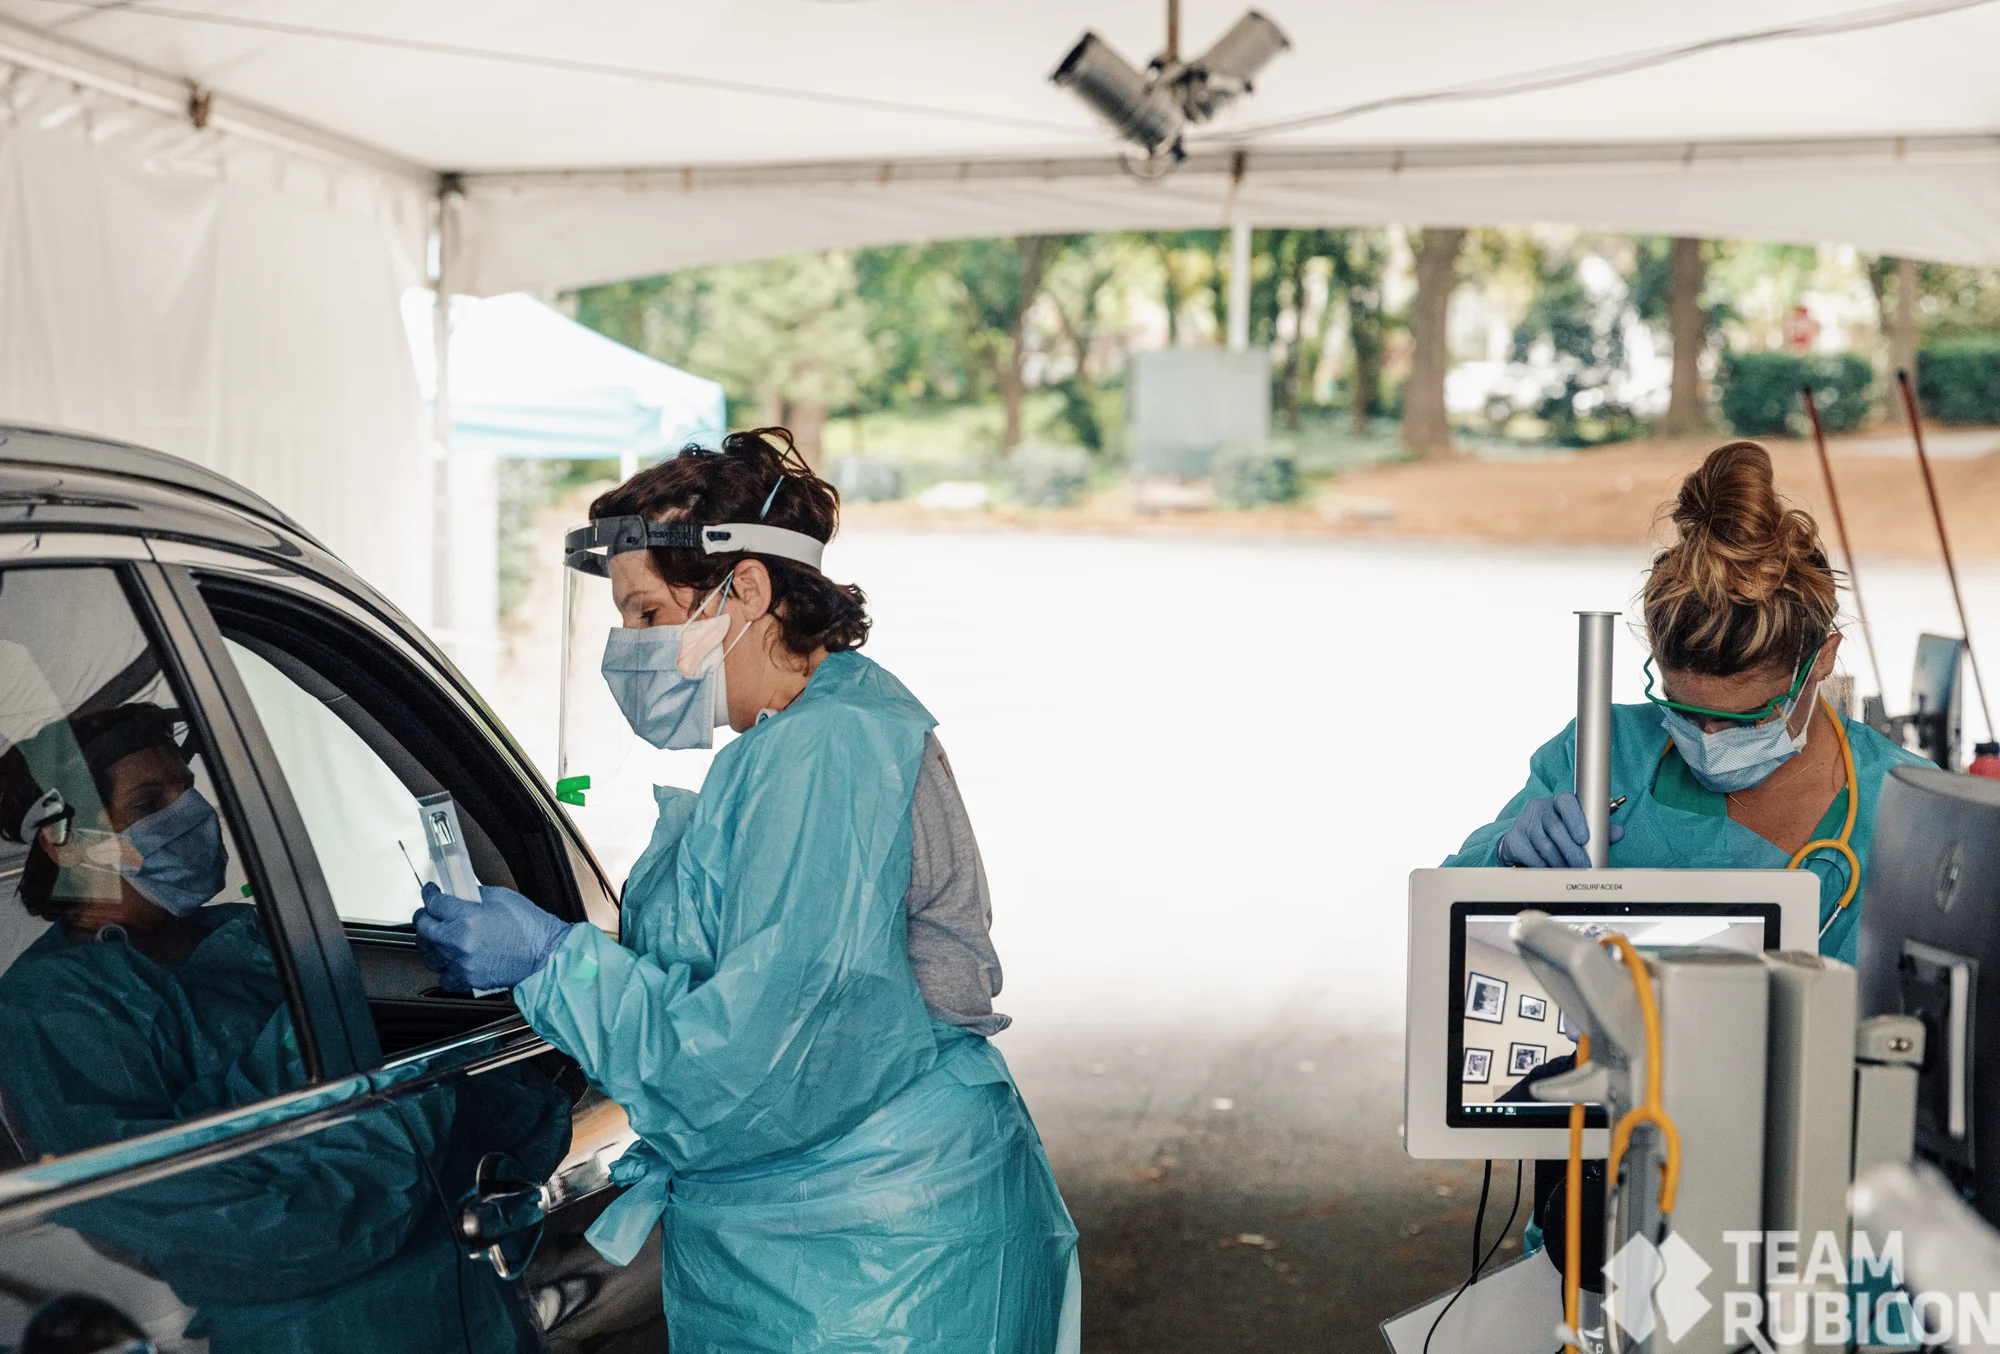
x: 1357, y: 163
x: 30, y: 49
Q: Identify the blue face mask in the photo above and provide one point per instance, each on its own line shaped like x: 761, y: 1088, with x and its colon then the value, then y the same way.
x: 1740, y: 756
x: 181, y: 856
x: 669, y: 680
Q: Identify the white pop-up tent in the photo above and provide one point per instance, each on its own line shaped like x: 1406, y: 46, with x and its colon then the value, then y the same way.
x: 208, y: 209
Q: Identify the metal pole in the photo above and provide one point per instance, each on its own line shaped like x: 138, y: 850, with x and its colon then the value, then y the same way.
x: 1173, y: 53
x: 1944, y: 543
x: 1593, y: 729
x: 1846, y: 547
x: 1239, y: 286
x: 441, y: 551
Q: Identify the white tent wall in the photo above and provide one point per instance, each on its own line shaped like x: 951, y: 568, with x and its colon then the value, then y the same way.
x: 1932, y: 198
x: 222, y: 300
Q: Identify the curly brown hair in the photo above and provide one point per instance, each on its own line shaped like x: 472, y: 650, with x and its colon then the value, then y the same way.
x: 734, y: 483
x: 1746, y: 582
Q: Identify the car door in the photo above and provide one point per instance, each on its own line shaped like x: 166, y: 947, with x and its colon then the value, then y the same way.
x: 358, y: 725
x: 193, y: 1156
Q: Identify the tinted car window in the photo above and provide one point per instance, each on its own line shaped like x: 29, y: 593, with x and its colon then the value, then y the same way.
x: 140, y: 989
x: 363, y: 820
x: 360, y: 734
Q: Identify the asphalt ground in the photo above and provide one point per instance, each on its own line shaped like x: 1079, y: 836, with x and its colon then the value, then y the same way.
x: 1248, y: 1192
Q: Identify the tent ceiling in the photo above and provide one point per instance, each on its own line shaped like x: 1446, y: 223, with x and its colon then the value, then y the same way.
x: 515, y: 84
x: 769, y: 125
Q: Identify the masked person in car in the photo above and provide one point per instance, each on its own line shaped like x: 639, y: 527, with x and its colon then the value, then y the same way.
x: 149, y: 1001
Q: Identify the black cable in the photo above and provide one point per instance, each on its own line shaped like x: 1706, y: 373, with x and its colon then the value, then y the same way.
x: 1479, y: 1262
x: 1478, y: 1221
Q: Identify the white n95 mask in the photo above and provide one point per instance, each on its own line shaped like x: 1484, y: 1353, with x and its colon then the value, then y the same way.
x: 669, y: 681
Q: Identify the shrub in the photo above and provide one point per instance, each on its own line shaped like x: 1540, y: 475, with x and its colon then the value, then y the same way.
x: 1760, y: 391
x: 1049, y: 477
x: 1247, y: 479
x: 1959, y: 381
x: 868, y: 479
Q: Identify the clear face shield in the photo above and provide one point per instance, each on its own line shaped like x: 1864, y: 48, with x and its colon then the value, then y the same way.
x: 605, y: 772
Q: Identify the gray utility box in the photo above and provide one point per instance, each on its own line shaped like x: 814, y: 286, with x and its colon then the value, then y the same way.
x: 1188, y: 404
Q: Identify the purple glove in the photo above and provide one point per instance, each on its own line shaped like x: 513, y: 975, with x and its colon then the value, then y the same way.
x: 1550, y: 834
x: 486, y: 945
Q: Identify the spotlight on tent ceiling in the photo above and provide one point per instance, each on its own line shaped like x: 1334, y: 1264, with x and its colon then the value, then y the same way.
x: 1151, y: 109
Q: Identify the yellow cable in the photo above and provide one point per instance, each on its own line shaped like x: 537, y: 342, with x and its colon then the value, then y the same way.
x: 1573, y: 1205
x: 1650, y: 1111
x: 1839, y: 844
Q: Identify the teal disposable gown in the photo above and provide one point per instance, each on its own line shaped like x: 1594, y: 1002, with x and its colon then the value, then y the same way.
x: 1672, y: 822
x: 834, y: 1170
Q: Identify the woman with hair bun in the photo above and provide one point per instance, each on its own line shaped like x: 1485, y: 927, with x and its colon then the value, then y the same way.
x: 1735, y: 761
x: 794, y: 1015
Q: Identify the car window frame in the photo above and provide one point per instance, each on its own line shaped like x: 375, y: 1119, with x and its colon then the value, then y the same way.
x: 571, y: 863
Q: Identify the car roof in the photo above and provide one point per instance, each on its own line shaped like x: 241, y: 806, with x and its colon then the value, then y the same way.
x: 24, y: 444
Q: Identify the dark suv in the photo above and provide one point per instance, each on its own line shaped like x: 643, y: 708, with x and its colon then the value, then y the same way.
x: 236, y: 1111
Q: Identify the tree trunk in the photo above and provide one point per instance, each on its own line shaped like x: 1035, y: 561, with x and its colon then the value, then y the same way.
x: 1364, y: 338
x: 1295, y: 350
x: 808, y: 425
x: 1035, y: 251
x: 1426, y: 429
x: 1903, y: 324
x: 1687, y: 329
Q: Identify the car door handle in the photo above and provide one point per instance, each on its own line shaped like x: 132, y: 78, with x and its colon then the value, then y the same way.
x: 501, y: 1219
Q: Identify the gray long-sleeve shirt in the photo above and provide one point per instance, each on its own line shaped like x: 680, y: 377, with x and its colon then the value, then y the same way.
x: 950, y: 910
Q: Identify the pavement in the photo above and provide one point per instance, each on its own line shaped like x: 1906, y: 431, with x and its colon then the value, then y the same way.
x: 1247, y: 1192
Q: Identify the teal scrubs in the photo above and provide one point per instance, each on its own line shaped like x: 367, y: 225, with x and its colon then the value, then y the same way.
x: 1672, y: 822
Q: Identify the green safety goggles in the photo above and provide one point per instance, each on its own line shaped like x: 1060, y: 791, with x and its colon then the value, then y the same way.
x: 1757, y: 716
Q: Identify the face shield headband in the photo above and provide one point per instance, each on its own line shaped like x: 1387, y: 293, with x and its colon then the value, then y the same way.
x: 589, y: 549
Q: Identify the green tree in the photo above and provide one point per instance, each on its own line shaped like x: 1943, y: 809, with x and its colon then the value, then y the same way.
x: 1190, y: 265
x: 1001, y: 279
x: 1359, y: 258
x: 790, y: 336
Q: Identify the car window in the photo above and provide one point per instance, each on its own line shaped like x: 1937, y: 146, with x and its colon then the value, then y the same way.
x: 138, y: 986
x: 364, y: 821
x: 363, y: 733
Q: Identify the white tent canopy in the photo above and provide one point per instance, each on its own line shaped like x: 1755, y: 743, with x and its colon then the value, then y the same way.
x: 763, y: 126
x: 208, y: 208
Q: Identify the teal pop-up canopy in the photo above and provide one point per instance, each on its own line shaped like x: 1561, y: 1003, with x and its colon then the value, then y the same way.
x: 526, y: 381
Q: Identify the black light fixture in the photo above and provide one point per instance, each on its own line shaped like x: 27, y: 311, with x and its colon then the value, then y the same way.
x: 1151, y: 109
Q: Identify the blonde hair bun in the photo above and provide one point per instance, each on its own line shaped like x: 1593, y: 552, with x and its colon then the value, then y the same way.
x: 1746, y: 581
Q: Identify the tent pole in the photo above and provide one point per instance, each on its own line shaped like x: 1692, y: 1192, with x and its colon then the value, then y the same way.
x: 441, y: 543
x: 1239, y: 285
x: 1944, y: 544
x: 1846, y: 546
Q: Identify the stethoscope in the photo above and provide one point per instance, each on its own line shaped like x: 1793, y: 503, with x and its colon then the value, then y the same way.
x: 1839, y: 844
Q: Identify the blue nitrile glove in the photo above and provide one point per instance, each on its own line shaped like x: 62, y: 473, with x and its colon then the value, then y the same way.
x: 483, y: 946
x: 1550, y: 834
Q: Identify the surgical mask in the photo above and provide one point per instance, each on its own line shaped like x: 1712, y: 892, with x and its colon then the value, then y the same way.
x: 1740, y: 756
x: 670, y: 681
x: 181, y: 856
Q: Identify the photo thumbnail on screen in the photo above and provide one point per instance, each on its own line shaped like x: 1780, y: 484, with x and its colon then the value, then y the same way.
x: 1512, y: 1033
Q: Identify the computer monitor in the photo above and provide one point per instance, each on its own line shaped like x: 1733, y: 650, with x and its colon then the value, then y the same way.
x: 1930, y: 947
x: 1479, y: 1024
